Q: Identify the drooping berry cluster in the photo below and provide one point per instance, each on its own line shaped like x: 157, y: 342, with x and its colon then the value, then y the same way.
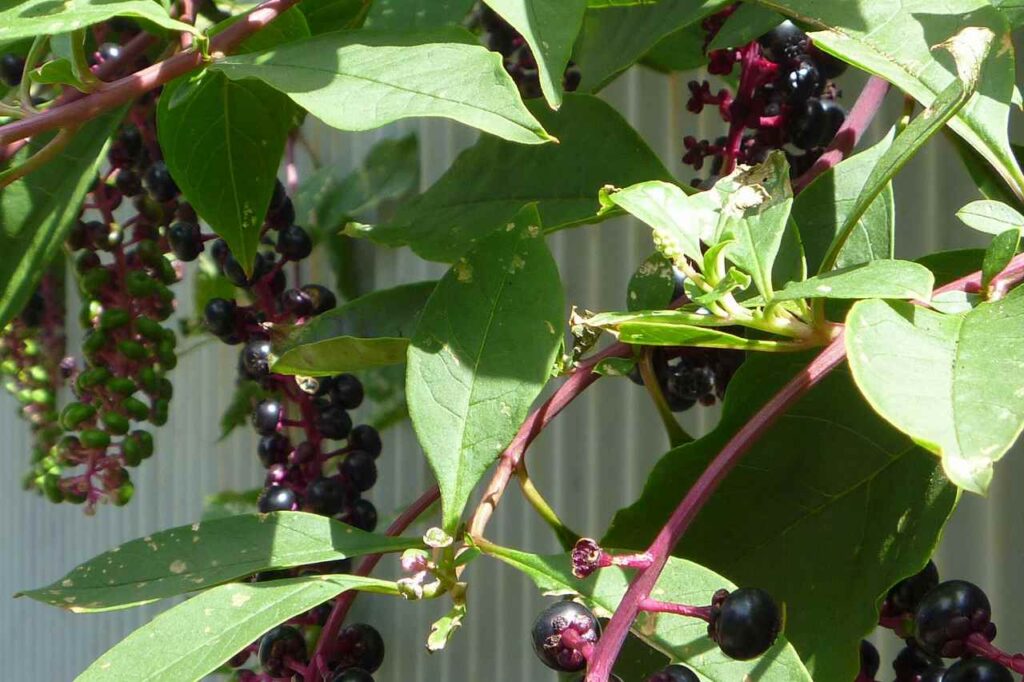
x: 785, y: 98
x: 519, y: 61
x: 31, y: 356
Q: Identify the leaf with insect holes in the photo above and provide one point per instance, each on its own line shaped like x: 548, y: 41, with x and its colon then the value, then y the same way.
x: 371, y: 331
x: 791, y: 496
x: 20, y: 19
x: 204, y: 554
x: 481, y: 353
x: 679, y: 638
x: 37, y: 211
x: 549, y: 28
x: 360, y: 80
x: 993, y: 217
x: 653, y: 285
x: 196, y: 637
x: 874, y: 279
x: 936, y: 378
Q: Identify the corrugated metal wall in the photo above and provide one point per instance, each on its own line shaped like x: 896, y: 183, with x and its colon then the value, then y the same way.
x: 591, y: 463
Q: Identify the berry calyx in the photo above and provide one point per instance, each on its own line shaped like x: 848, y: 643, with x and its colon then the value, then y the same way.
x: 744, y: 623
x: 277, y: 498
x: 674, y: 673
x: 360, y: 646
x: 282, y: 643
x: 948, y: 614
x: 550, y: 627
x: 977, y: 670
x: 907, y: 593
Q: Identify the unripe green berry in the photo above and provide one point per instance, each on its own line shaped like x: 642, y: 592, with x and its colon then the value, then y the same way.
x: 94, y: 438
x: 51, y: 488
x: 75, y: 414
x: 94, y: 342
x: 123, y: 494
x: 138, y: 410
x: 148, y: 379
x: 133, y: 350
x: 158, y: 414
x: 114, y: 318
x: 149, y: 253
x: 140, y: 285
x: 149, y: 328
x: 116, y: 423
x: 92, y: 377
x: 121, y: 385
x: 93, y: 281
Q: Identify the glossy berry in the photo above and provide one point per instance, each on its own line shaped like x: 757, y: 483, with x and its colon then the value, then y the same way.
x: 367, y: 439
x: 347, y: 391
x: 293, y: 243
x: 128, y: 182
x: 689, y: 381
x: 869, y: 660
x: 267, y: 416
x: 322, y: 298
x: 816, y: 123
x: 276, y: 498
x: 907, y: 593
x: 281, y: 216
x: 746, y: 623
x: 936, y: 673
x: 977, y: 670
x: 234, y: 272
x: 325, y: 496
x: 352, y: 675
x: 256, y: 358
x: 948, y: 614
x: 334, y: 422
x: 359, y: 470
x: 549, y: 628
x: 296, y: 302
x: 11, y: 68
x: 273, y: 449
x: 360, y: 514
x: 220, y: 316
x: 783, y: 43
x: 159, y: 183
x: 911, y: 662
x: 283, y: 642
x: 108, y: 51
x: 360, y: 646
x: 674, y: 673
x: 186, y: 240
x: 803, y: 81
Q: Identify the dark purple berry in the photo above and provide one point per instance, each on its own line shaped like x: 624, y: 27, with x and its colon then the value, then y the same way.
x: 276, y: 498
x: 283, y: 642
x: 296, y: 302
x: 360, y: 514
x: 325, y: 496
x: 293, y: 243
x: 234, y: 272
x: 159, y: 183
x: 267, y: 416
x: 689, y: 381
x: 869, y: 660
x: 256, y: 358
x: 220, y: 251
x: 334, y: 422
x: 11, y: 69
x: 128, y: 182
x: 359, y: 470
x: 220, y: 316
x: 803, y: 82
x: 947, y: 615
x: 352, y: 675
x: 907, y: 593
x: 347, y: 391
x: 273, y: 449
x: 784, y: 43
x: 936, y: 673
x: 322, y: 298
x: 674, y: 673
x: 32, y: 313
x: 186, y: 240
x: 746, y: 623
x: 911, y: 662
x: 278, y: 196
x: 282, y: 216
x: 549, y: 628
x: 816, y: 123
x: 360, y: 646
x: 109, y: 51
x: 977, y: 670
x: 366, y: 438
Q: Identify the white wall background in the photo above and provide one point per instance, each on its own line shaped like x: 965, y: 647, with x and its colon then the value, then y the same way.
x: 591, y: 463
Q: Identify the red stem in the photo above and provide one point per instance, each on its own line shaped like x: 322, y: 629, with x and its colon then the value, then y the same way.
x: 654, y: 606
x: 977, y: 644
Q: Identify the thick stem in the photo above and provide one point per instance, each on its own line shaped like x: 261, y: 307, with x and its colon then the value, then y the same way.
x: 119, y: 92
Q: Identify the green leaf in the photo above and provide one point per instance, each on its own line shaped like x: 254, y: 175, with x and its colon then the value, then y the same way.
x: 228, y: 503
x: 894, y: 39
x: 748, y: 23
x: 676, y: 328
x: 613, y: 38
x: 417, y: 14
x: 37, y: 211
x: 653, y: 285
x: 359, y: 80
x: 196, y: 637
x: 1013, y: 10
x: 21, y: 19
x: 999, y: 254
x: 490, y: 182
x: 445, y: 627
x: 993, y: 217
x: 289, y: 26
x: 372, y: 331
x: 58, y: 72
x: 325, y: 16
x: 222, y: 142
x: 679, y: 221
x: 209, y: 283
x: 550, y: 28
x: 938, y: 378
x: 481, y: 354
x: 852, y: 518
x: 679, y: 51
x: 822, y: 208
x: 205, y: 554
x: 679, y: 638
x: 874, y: 279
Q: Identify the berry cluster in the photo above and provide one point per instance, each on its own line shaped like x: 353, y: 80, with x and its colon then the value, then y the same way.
x: 688, y: 376
x: 520, y: 63
x: 296, y: 418
x: 785, y: 97
x: 31, y: 356
x: 940, y: 620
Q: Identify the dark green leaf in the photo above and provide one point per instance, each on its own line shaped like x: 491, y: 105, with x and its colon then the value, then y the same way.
x: 196, y: 557
x: 653, y: 285
x: 948, y: 266
x: 198, y: 636
x: 325, y: 16
x: 874, y: 279
x: 481, y: 354
x: 20, y: 19
x: 291, y: 25
x: 371, y: 331
x: 989, y: 183
x: 936, y: 378
x: 679, y: 51
x: 417, y: 14
x: 58, y: 72
x: 359, y: 80
x: 993, y: 217
x: 999, y: 254
x: 675, y: 328
x: 230, y: 503
x: 746, y: 24
x: 37, y: 211
x: 849, y: 502
x: 489, y: 183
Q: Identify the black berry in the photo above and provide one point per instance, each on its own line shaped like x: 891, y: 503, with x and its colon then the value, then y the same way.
x: 283, y: 642
x: 347, y: 391
x: 273, y: 449
x: 803, y: 81
x: 325, y: 496
x: 948, y: 614
x: 783, y: 43
x: 128, y: 182
x: 296, y: 302
x: 11, y: 68
x: 689, y: 381
x: 352, y: 675
x: 293, y: 243
x: 267, y: 416
x: 334, y: 422
x: 366, y: 438
x: 220, y: 316
x: 911, y: 662
x: 359, y: 470
x: 549, y: 628
x: 234, y: 271
x: 907, y: 593
x: 276, y: 498
x: 256, y: 358
x: 360, y: 514
x: 869, y: 660
x: 830, y: 67
x: 159, y: 183
x: 360, y: 646
x: 108, y: 51
x: 322, y: 298
x: 281, y: 216
x: 977, y: 670
x: 816, y: 123
x: 746, y: 623
x: 185, y: 239
x: 674, y: 673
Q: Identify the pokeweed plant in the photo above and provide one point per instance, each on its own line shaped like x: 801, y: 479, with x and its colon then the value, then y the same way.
x: 863, y: 391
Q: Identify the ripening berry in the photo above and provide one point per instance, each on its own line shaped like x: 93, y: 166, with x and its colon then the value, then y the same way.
x: 282, y: 642
x: 674, y: 673
x: 948, y: 614
x: 360, y: 646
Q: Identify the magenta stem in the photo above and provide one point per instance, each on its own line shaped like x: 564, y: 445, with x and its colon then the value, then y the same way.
x: 654, y: 606
x: 977, y: 644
